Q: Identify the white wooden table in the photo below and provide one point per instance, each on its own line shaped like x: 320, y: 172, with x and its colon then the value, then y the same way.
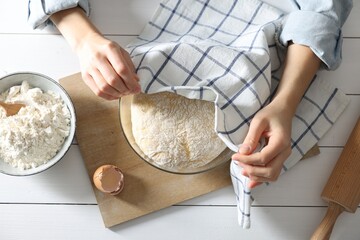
x: 60, y: 204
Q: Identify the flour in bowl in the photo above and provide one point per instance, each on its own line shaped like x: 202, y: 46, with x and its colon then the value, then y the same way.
x: 34, y: 135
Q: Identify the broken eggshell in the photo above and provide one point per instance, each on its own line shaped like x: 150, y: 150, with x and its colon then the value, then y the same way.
x: 109, y: 179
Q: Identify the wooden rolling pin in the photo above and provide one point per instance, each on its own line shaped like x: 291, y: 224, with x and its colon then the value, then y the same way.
x: 342, y: 190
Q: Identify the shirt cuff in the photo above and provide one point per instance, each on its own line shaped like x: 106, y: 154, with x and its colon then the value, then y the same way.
x: 317, y: 31
x: 39, y: 12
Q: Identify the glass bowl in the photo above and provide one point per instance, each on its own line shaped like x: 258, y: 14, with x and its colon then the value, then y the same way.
x: 125, y: 123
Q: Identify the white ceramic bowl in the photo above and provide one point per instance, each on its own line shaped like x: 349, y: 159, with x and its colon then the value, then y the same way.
x: 45, y: 83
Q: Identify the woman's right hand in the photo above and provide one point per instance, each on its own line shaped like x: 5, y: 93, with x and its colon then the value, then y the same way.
x: 106, y: 67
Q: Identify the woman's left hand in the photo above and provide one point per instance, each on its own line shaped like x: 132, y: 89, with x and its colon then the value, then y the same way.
x: 273, y: 122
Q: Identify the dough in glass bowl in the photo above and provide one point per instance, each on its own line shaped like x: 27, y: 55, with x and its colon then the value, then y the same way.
x: 175, y: 132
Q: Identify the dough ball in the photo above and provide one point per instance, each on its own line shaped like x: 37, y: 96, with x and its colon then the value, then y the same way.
x: 175, y: 132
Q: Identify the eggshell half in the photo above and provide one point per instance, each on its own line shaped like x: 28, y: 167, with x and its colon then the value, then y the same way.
x: 109, y: 179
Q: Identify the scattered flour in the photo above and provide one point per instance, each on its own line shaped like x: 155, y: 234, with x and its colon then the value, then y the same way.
x: 34, y: 135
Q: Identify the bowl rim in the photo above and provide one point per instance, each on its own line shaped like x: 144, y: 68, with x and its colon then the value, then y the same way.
x: 72, y: 118
x: 225, y: 154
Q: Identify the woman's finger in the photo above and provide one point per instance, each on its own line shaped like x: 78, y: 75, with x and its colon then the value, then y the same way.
x: 112, y: 78
x: 253, y: 136
x: 276, y: 145
x: 253, y: 184
x: 102, y: 87
x: 119, y: 60
x: 270, y: 172
x: 273, y: 148
x: 92, y: 85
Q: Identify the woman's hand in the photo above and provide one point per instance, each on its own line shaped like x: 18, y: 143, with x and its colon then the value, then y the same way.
x: 274, y: 121
x: 274, y: 124
x: 106, y: 67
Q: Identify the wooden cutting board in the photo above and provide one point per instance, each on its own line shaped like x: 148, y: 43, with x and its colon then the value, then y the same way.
x: 147, y: 189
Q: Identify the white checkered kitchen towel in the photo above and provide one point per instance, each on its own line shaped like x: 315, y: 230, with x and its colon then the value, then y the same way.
x: 226, y: 52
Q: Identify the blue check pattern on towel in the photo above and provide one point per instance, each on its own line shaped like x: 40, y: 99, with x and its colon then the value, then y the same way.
x: 226, y: 52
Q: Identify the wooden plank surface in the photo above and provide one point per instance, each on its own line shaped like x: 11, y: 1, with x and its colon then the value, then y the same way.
x: 102, y: 141
x: 124, y: 17
x: 175, y: 223
x: 68, y: 183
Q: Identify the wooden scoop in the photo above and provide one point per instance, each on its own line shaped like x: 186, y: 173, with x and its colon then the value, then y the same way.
x: 342, y: 191
x: 11, y: 108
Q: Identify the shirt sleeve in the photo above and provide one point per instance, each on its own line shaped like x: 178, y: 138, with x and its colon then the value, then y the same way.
x: 39, y: 12
x: 317, y: 24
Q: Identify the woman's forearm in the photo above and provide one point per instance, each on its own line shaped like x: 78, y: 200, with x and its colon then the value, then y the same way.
x: 74, y: 25
x: 301, y: 65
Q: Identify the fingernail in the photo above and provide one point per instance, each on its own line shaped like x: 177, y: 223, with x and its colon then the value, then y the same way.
x: 253, y: 184
x: 137, y: 89
x: 244, y: 149
x: 240, y: 164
